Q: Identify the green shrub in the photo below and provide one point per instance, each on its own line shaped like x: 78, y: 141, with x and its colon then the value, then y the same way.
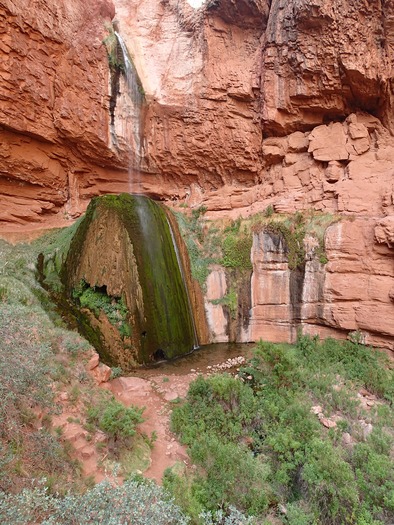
x: 230, y: 476
x: 115, y: 419
x: 298, y: 513
x: 132, y: 503
x: 306, y: 468
x: 236, y: 248
x: 232, y: 516
x: 217, y: 404
x: 116, y: 371
x: 330, y: 484
x: 375, y: 477
x: 351, y: 360
x: 202, y: 242
x: 97, y: 301
x: 230, y: 300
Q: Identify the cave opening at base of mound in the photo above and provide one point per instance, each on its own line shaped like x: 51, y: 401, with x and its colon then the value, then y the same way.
x: 159, y: 355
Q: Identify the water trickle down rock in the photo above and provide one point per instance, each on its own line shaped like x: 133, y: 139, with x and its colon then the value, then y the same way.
x: 126, y: 127
x: 122, y: 271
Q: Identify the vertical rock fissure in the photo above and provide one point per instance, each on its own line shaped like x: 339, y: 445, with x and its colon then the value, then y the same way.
x: 297, y: 278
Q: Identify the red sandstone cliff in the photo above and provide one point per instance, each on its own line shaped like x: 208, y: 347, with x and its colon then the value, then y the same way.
x: 53, y: 104
x: 217, y: 80
x: 250, y: 103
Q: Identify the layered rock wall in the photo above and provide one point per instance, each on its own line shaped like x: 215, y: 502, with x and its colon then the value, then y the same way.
x: 323, y: 59
x: 53, y: 105
x: 250, y: 104
x: 352, y: 292
x: 223, y: 85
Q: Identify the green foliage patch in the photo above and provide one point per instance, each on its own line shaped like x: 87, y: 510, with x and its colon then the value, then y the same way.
x: 33, y: 346
x: 135, y: 502
x: 236, y: 247
x: 202, y: 242
x: 293, y: 229
x: 261, y: 423
x: 116, y: 420
x: 97, y: 301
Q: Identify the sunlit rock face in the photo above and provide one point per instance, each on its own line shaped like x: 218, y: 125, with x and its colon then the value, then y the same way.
x: 352, y: 291
x: 54, y: 105
x: 199, y: 69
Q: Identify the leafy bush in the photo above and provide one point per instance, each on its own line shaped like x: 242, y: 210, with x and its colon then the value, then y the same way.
x: 34, y: 351
x: 202, y: 242
x: 230, y: 300
x: 330, y: 484
x: 133, y: 503
x: 236, y: 247
x: 217, y: 404
x: 115, y: 419
x: 231, y: 517
x: 264, y: 421
x: 97, y: 300
x: 375, y: 478
x: 230, y: 476
x: 351, y: 360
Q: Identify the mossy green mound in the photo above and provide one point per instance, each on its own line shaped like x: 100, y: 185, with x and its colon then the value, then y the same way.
x: 121, y: 271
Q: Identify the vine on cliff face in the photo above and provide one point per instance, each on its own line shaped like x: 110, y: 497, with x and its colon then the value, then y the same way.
x: 236, y: 247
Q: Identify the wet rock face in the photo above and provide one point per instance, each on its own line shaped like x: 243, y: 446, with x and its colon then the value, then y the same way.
x: 123, y: 276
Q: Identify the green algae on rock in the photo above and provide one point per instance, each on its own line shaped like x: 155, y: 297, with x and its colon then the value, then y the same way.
x: 121, y: 270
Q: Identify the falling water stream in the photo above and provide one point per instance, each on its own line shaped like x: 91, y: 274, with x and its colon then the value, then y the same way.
x: 133, y: 121
x: 170, y: 329
x: 208, y: 354
x: 131, y: 75
x: 178, y: 257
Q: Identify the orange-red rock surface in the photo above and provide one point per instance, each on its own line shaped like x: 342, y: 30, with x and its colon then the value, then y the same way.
x: 53, y: 107
x: 249, y: 104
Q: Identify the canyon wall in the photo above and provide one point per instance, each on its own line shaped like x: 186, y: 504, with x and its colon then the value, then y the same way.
x: 53, y: 105
x: 250, y: 104
x: 224, y: 85
x: 351, y: 290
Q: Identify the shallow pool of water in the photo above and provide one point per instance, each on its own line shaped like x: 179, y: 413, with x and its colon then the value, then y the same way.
x: 199, y: 360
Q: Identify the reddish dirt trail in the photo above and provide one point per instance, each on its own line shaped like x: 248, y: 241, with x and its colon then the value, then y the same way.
x: 155, y: 395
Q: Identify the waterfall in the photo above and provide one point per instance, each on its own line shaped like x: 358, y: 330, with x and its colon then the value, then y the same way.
x: 136, y: 95
x: 133, y: 82
x: 179, y: 259
x: 124, y: 251
x: 168, y: 320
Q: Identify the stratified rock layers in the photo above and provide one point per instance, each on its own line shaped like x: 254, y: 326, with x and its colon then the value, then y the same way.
x: 254, y: 103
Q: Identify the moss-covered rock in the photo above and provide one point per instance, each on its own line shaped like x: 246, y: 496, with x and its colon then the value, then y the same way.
x: 121, y: 271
